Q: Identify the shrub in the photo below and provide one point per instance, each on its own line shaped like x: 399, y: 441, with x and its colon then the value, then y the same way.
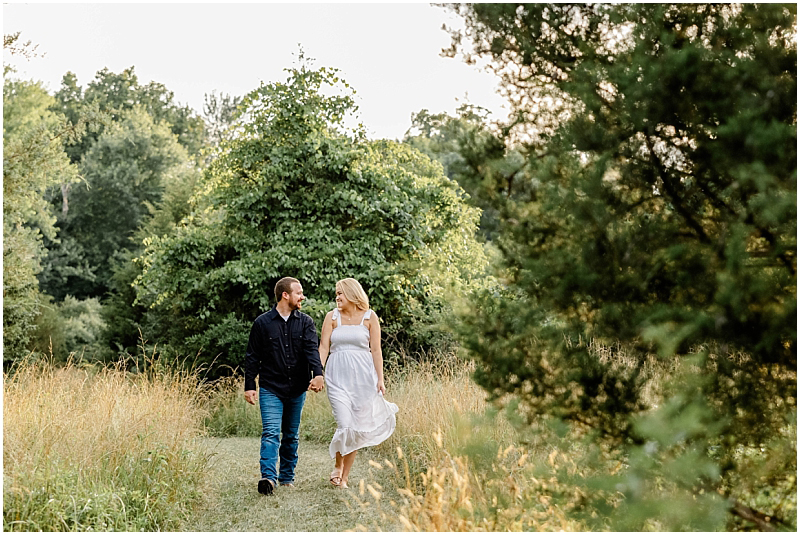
x: 73, y: 326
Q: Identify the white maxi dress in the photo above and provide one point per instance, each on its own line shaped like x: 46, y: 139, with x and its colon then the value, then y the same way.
x: 363, y: 416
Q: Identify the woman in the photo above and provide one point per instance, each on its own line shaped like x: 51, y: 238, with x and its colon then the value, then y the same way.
x: 354, y: 377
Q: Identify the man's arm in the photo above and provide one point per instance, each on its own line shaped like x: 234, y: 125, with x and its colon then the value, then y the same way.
x: 311, y: 350
x: 252, y: 363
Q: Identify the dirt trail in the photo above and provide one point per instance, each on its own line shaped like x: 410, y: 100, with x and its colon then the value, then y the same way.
x: 233, y: 503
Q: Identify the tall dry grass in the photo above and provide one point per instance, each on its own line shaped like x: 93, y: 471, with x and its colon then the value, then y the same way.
x: 543, y: 478
x: 459, y: 465
x: 100, y: 449
x: 437, y: 395
x: 516, y: 494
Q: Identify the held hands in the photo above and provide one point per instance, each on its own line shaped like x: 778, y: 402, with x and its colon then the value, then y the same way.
x: 316, y: 384
x: 250, y: 396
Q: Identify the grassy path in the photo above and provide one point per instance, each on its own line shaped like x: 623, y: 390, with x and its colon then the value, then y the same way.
x: 233, y: 503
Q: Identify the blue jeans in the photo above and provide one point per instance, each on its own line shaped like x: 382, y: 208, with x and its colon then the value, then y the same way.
x: 279, y: 416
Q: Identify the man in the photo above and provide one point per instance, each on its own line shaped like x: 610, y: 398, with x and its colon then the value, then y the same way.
x: 283, y: 350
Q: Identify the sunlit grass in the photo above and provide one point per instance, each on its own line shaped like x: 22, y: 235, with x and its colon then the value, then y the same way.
x: 438, y: 396
x: 455, y: 496
x: 100, y: 449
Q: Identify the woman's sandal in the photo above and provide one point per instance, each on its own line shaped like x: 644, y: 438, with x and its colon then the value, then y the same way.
x: 336, y: 477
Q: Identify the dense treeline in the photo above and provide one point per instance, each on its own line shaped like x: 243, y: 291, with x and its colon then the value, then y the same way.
x: 618, y: 258
x: 88, y: 170
x: 158, y: 224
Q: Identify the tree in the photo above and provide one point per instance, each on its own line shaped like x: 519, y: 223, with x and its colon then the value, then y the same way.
x: 78, y: 260
x: 117, y: 94
x: 124, y: 170
x: 33, y: 160
x: 662, y: 140
x: 475, y: 156
x: 220, y: 113
x: 298, y: 194
x: 125, y: 319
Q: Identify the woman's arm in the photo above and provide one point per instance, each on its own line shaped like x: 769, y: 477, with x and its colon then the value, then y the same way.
x: 325, y: 338
x: 375, y: 348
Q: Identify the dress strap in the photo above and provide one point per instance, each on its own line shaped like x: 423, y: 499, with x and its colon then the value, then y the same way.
x: 366, y: 316
x: 336, y: 317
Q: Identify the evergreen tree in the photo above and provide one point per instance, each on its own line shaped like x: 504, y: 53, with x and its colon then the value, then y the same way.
x: 662, y: 146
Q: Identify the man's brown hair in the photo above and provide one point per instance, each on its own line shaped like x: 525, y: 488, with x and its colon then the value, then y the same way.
x: 284, y: 285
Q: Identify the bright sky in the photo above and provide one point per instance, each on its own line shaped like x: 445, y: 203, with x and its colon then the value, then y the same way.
x: 388, y: 52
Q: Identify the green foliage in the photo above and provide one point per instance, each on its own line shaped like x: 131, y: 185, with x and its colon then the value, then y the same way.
x: 72, y: 326
x: 124, y: 154
x: 118, y: 94
x: 21, y: 297
x: 33, y: 160
x: 125, y: 172
x: 33, y: 155
x: 125, y: 320
x: 473, y: 155
x: 661, y: 141
x: 297, y: 194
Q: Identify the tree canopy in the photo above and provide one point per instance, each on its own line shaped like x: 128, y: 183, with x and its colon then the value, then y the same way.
x: 124, y: 171
x: 34, y: 139
x: 118, y: 93
x: 474, y: 155
x: 139, y: 136
x: 297, y: 193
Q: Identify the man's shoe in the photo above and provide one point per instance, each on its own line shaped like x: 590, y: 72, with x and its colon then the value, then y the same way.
x: 266, y: 486
x: 288, y: 485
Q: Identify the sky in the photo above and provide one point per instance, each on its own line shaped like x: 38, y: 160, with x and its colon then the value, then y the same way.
x: 389, y: 53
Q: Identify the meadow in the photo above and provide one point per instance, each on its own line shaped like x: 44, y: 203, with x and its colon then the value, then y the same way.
x: 102, y: 448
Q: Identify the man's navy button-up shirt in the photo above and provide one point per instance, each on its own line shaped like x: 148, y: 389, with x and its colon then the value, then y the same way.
x: 284, y: 354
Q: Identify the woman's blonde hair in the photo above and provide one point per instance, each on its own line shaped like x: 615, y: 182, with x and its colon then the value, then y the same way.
x: 354, y: 293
